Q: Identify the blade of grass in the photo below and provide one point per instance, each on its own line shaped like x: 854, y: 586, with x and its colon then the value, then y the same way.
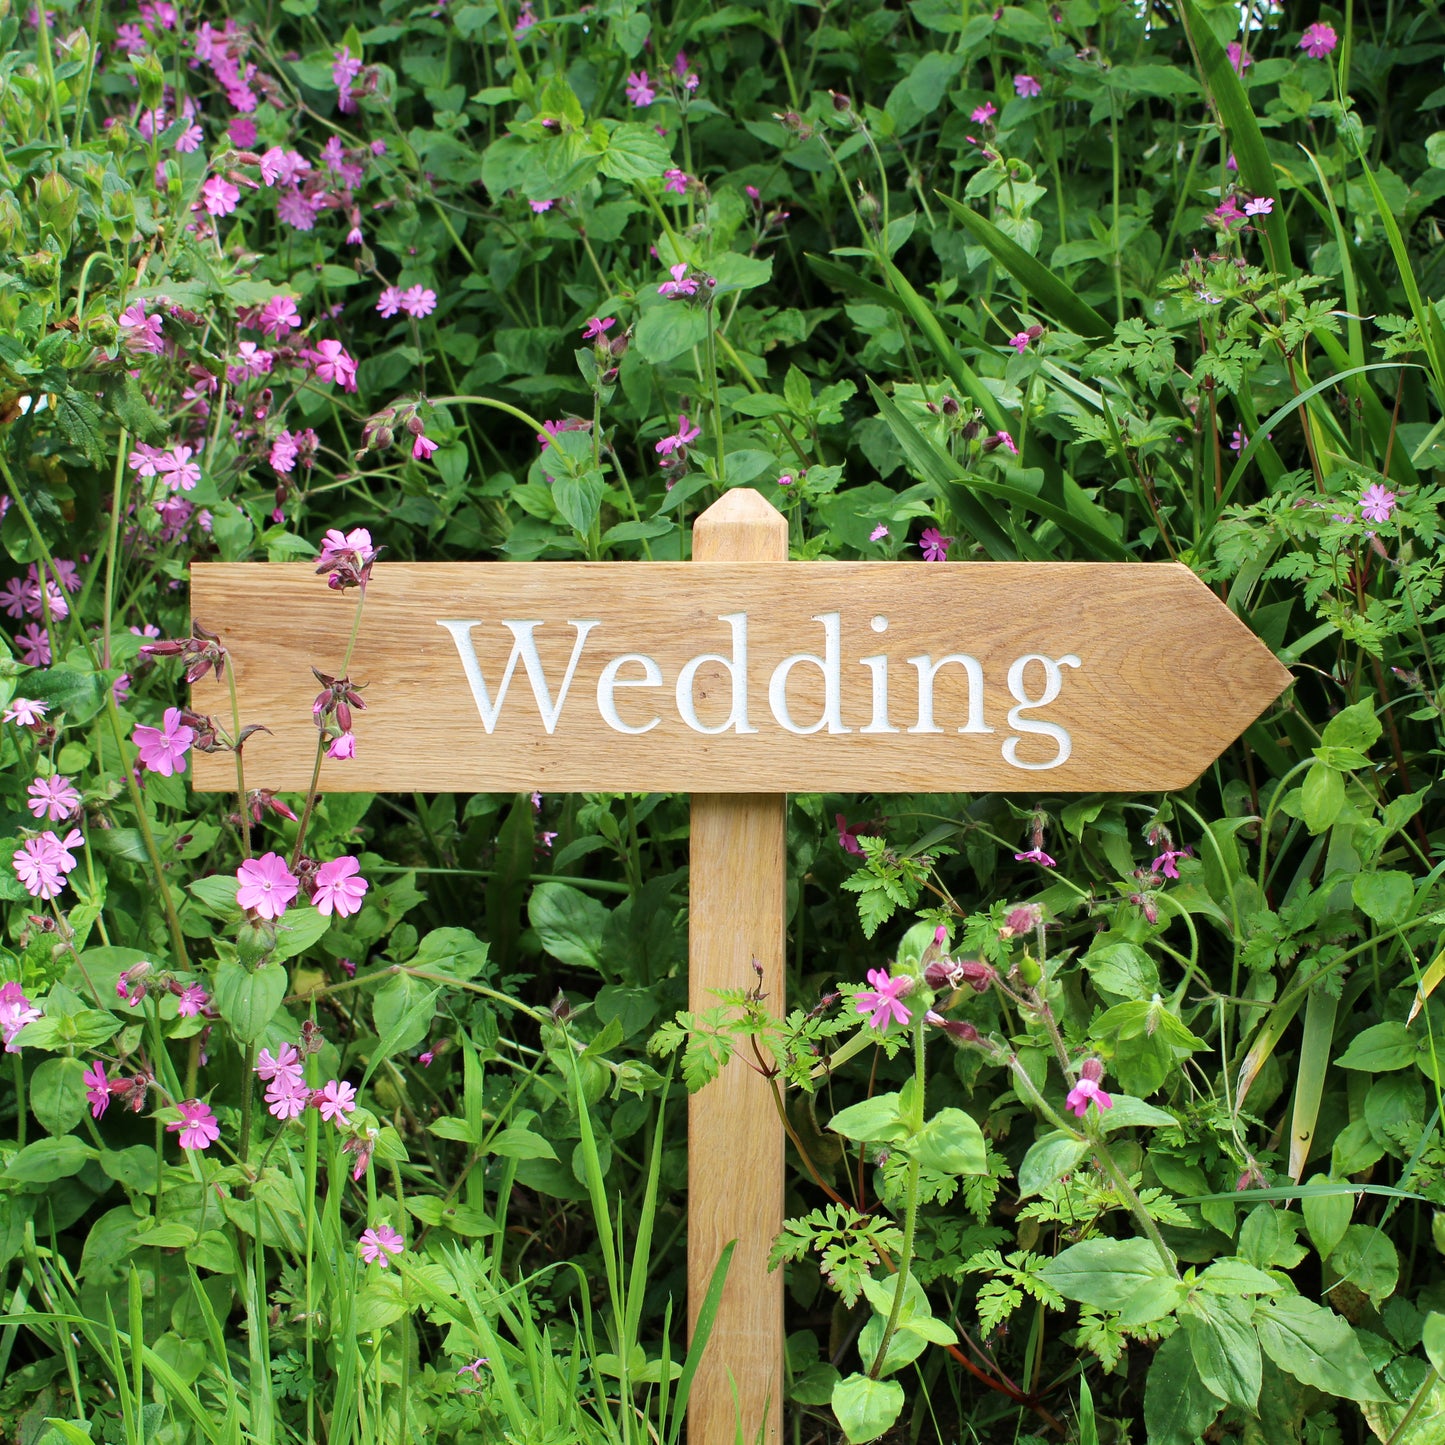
x: 1053, y: 294
x: 1313, y: 1068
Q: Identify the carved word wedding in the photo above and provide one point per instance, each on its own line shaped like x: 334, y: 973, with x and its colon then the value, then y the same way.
x: 741, y: 677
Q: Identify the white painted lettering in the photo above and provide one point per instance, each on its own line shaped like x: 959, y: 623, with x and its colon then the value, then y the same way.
x: 524, y: 645
x: 737, y: 666
x: 927, y: 671
x: 607, y: 702
x: 830, y: 665
x: 878, y: 666
x: 1053, y: 681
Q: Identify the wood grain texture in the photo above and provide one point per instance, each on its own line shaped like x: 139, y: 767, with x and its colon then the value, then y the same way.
x: 737, y: 890
x: 1167, y: 676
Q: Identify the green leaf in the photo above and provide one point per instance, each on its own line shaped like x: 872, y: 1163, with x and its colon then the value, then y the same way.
x: 519, y: 1143
x: 635, y: 152
x: 1045, y: 288
x: 1323, y: 796
x: 1048, y: 1160
x: 1178, y: 1406
x: 1383, y: 897
x: 402, y: 1012
x: 668, y: 329
x: 1317, y: 1347
x: 951, y: 1143
x: 1379, y: 1049
x: 1105, y: 1273
x: 1327, y: 1216
x: 217, y: 893
x: 866, y: 1408
x: 80, y: 695
x: 246, y: 1000
x: 569, y: 923
x: 1368, y: 1260
x: 1355, y: 727
x: 57, y: 1094
x: 1225, y: 1348
x: 457, y: 952
x: 871, y: 1121
x: 297, y: 929
x: 1433, y: 1339
x: 47, y: 1160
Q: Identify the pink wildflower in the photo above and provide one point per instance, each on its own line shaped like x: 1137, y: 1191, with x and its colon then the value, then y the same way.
x: 16, y: 1012
x: 542, y: 207
x: 342, y: 748
x: 1027, y: 87
x: 1239, y: 57
x: 197, y: 1127
x: 54, y: 799
x: 193, y: 999
x: 1020, y: 342
x: 1259, y: 206
x: 140, y: 332
x: 418, y: 301
x: 675, y: 181
x: 1088, y: 1089
x: 163, y: 750
x: 336, y: 1099
x: 279, y: 315
x: 331, y: 362
x: 883, y: 1003
x: 598, y: 327
x: 339, y: 887
x: 422, y: 447
x: 283, y: 167
x: 34, y: 645
x: 681, y: 284
x: 180, y: 472
x: 847, y: 837
x: 97, y: 1089
x: 878, y: 533
x: 1166, y: 863
x: 190, y: 138
x: 1318, y: 40
x: 681, y: 439
x: 285, y: 1063
x: 1035, y: 855
x: 1377, y: 504
x: 286, y: 1097
x: 297, y: 210
x: 377, y: 1243
x: 639, y: 88
x: 267, y: 885
x: 37, y: 868
x: 26, y: 712
x: 934, y: 545
x: 389, y: 302
x: 219, y: 196
x: 983, y: 113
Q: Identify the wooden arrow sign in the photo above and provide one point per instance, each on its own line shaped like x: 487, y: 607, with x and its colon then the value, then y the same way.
x: 761, y: 677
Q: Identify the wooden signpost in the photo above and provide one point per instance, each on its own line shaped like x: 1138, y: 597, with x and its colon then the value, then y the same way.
x: 739, y: 677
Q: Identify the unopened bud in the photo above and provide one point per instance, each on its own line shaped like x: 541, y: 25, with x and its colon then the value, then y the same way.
x: 841, y: 102
x: 59, y: 202
x: 949, y: 406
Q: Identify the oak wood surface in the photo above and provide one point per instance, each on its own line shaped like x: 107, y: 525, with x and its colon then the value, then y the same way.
x: 737, y: 889
x: 1167, y: 675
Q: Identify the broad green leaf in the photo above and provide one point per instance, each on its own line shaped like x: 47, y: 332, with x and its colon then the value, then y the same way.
x: 1178, y: 1406
x: 1322, y: 795
x: 569, y: 923
x: 1434, y: 1339
x: 668, y: 329
x: 866, y: 1408
x: 297, y: 929
x: 1368, y: 1260
x: 1048, y: 1160
x: 47, y: 1160
x: 1224, y: 1347
x: 1317, y: 1347
x: 1354, y: 727
x: 1383, y: 897
x: 246, y: 999
x: 1105, y: 1273
x: 519, y: 1143
x: 951, y: 1143
x: 402, y: 1011
x: 1380, y: 1048
x: 635, y: 152
x: 57, y: 1094
x: 871, y: 1121
x: 1327, y: 1216
x: 457, y: 952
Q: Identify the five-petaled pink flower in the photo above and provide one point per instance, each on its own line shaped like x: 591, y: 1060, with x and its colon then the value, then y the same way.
x: 847, y: 836
x: 54, y: 799
x: 1027, y: 87
x: 197, y: 1127
x: 389, y: 302
x: 1377, y: 504
x: 883, y: 1003
x: 1088, y: 1089
x: 285, y: 1063
x: 681, y: 439
x: 983, y: 113
x: 1259, y: 206
x: 331, y: 362
x: 140, y: 332
x: 191, y: 1001
x: 878, y: 533
x: 97, y: 1089
x: 418, y: 301
x: 934, y: 545
x: 377, y: 1243
x: 1035, y: 855
x: 219, y: 196
x: 339, y: 886
x: 163, y: 750
x: 639, y: 88
x: 267, y: 885
x: 16, y: 1011
x: 681, y: 284
x: 342, y: 748
x: 1318, y: 40
x: 1020, y: 341
x: 598, y: 327
x: 335, y: 1099
x: 37, y: 867
x: 1239, y: 57
x: 1166, y: 862
x: 279, y: 315
x: 675, y: 181
x: 26, y: 712
x: 422, y: 446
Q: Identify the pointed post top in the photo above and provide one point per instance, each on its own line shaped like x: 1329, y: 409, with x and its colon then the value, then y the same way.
x: 741, y: 526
